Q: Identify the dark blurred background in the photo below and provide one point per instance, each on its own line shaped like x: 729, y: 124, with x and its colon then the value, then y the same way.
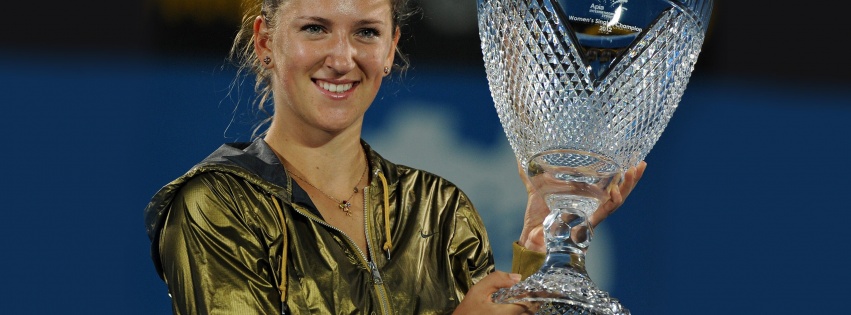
x: 742, y: 209
x: 783, y: 40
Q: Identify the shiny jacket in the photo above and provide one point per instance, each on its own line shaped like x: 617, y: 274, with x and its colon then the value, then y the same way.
x: 217, y: 241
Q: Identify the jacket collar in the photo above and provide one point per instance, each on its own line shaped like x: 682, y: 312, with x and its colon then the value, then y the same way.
x: 258, y: 158
x: 255, y: 157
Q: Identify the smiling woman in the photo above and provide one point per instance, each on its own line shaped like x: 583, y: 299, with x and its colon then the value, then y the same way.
x: 307, y: 218
x: 244, y: 51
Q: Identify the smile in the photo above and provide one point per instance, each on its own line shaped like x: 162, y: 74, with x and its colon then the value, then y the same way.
x: 335, y: 88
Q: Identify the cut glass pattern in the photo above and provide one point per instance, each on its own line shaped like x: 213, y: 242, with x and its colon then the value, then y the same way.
x: 548, y: 98
x: 579, y: 108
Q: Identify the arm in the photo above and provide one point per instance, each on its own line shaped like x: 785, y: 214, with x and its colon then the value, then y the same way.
x: 472, y: 257
x: 470, y: 236
x: 212, y: 261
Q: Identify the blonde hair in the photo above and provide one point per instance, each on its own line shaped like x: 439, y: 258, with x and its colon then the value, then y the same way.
x: 243, y: 55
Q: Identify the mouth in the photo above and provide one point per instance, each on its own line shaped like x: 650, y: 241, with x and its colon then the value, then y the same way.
x: 335, y: 88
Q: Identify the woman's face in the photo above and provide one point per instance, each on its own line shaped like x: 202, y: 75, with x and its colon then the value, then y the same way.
x: 328, y: 59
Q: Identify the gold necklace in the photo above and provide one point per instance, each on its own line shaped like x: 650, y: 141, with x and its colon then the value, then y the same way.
x: 344, y: 204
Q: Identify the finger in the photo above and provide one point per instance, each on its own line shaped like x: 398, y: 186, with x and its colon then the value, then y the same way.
x: 640, y: 169
x: 499, y: 279
x: 628, y: 183
x: 484, y: 289
x: 521, y: 171
x: 637, y: 172
x: 619, y: 195
x: 478, y: 299
x: 607, y: 208
x: 535, y: 240
x: 631, y: 179
x: 514, y: 309
x: 616, y: 199
x: 510, y: 308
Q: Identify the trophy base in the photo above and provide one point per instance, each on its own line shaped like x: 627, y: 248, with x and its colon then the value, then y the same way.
x: 563, y: 291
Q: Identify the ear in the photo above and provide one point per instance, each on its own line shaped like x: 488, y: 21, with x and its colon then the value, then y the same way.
x: 390, y: 57
x: 262, y: 40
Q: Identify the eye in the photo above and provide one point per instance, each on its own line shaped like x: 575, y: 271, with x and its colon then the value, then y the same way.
x: 368, y: 33
x: 313, y: 28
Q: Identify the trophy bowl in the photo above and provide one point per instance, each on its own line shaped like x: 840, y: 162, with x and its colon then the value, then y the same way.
x: 583, y: 89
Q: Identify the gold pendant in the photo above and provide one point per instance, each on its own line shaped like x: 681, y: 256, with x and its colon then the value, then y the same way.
x: 345, y: 205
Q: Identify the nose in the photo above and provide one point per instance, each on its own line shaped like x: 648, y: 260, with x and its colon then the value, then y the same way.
x: 341, y: 55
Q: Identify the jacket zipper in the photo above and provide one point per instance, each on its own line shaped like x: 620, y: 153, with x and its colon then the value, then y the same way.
x: 376, y: 275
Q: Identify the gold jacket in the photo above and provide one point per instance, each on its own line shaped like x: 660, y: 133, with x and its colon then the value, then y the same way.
x: 217, y: 241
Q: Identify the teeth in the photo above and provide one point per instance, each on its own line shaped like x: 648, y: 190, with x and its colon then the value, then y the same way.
x: 335, y: 88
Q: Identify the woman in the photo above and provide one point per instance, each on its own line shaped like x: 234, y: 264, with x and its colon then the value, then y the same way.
x: 308, y: 219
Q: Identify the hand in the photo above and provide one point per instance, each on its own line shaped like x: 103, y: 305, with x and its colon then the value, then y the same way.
x: 478, y: 300
x: 532, y: 235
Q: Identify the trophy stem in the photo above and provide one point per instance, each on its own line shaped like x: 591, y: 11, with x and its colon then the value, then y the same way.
x: 567, y: 229
x: 562, y: 285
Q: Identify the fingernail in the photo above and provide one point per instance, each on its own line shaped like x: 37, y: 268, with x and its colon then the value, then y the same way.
x: 514, y: 276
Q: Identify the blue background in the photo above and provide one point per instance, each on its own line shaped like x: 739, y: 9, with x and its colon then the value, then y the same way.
x: 743, y: 208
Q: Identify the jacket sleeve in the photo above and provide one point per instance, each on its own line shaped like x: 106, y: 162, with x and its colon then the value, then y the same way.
x: 526, y: 262
x: 471, y: 246
x: 213, y: 261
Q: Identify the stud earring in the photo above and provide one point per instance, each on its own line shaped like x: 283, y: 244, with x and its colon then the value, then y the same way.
x: 267, y: 60
x: 386, y: 70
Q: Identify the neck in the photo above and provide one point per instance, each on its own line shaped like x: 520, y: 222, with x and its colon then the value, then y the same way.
x: 331, y: 162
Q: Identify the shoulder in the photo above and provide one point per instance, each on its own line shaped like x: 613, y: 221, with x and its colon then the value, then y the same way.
x: 428, y: 182
x: 408, y: 174
x: 216, y: 199
x: 437, y: 196
x: 206, y: 188
x: 210, y: 187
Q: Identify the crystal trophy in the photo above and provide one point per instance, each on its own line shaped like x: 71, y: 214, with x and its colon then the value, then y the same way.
x: 583, y: 89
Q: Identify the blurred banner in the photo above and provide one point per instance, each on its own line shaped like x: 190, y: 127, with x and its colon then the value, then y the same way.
x: 741, y: 202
